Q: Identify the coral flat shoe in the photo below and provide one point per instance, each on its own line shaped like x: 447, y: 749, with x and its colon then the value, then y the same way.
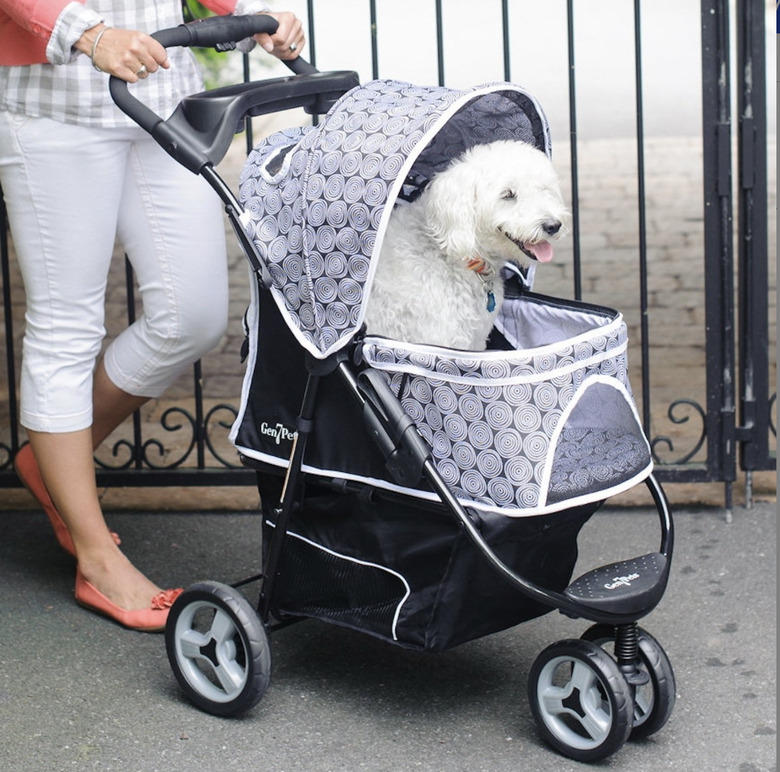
x: 27, y: 470
x: 148, y: 620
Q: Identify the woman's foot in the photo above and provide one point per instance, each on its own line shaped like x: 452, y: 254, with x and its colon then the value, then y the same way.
x: 127, y: 596
x: 27, y: 470
x: 149, y: 620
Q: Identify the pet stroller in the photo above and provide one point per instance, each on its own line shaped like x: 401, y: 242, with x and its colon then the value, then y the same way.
x: 422, y: 495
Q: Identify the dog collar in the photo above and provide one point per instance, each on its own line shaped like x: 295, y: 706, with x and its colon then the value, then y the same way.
x: 477, y: 264
x: 486, y: 275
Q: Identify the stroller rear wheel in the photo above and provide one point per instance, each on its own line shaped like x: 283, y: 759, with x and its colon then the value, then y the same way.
x: 580, y: 700
x: 218, y: 649
x: 653, y: 702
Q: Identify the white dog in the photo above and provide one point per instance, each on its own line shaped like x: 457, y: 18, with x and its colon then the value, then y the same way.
x: 437, y: 277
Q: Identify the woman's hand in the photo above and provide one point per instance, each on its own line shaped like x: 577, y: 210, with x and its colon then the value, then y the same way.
x: 288, y: 40
x: 127, y: 54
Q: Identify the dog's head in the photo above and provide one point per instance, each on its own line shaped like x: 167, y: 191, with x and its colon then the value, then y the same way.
x: 500, y: 201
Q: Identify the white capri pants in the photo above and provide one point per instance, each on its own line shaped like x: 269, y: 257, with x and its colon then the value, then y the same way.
x: 70, y: 191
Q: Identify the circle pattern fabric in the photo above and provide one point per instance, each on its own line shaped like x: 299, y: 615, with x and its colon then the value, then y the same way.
x: 496, y: 421
x: 317, y: 198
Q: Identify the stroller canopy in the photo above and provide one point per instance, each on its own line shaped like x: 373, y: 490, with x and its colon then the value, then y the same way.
x: 318, y: 199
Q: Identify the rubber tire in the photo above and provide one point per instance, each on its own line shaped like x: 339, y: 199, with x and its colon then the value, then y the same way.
x: 608, y: 701
x: 224, y: 665
x: 647, y: 720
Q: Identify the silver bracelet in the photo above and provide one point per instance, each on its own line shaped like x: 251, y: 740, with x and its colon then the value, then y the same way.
x: 94, y: 48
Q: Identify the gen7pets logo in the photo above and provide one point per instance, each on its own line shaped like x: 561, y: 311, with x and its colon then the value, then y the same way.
x: 621, y: 581
x: 280, y: 433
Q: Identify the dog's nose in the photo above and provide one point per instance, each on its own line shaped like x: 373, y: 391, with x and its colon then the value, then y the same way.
x: 551, y: 227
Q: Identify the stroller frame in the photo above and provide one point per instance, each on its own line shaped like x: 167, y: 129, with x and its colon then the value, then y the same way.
x: 198, y: 135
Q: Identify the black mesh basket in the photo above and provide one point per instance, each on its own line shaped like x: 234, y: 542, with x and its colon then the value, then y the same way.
x: 404, y: 572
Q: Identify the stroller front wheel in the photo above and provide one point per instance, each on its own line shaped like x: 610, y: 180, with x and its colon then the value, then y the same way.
x: 653, y: 702
x: 580, y: 700
x: 218, y: 649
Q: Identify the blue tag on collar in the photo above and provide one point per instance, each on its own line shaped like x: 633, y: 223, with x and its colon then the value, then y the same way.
x: 491, y: 301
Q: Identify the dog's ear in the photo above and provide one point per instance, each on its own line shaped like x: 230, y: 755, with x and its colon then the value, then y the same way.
x: 450, y: 211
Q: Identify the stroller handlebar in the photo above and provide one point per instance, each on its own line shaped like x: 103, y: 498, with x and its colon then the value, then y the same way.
x: 216, y: 31
x: 201, y: 129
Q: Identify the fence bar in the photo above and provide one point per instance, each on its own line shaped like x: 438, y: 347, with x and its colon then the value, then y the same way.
x: 311, y: 32
x: 719, y: 258
x: 163, y: 478
x: 642, y: 212
x: 752, y: 238
x: 10, y: 363
x: 575, y: 182
x: 137, y: 456
x: 440, y: 40
x: 506, y: 40
x: 374, y: 42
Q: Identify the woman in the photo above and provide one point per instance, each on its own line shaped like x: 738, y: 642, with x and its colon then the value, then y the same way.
x: 76, y: 173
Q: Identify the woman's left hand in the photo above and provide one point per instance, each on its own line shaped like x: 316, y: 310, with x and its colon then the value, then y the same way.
x: 288, y: 40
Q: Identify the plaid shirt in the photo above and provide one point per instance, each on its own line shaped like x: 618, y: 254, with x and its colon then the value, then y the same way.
x: 73, y: 91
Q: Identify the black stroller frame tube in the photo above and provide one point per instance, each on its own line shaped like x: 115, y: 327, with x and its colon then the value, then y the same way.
x: 234, y: 210
x: 624, y: 622
x: 289, y: 497
x: 204, y: 33
x: 465, y: 522
x: 548, y: 597
x: 664, y: 512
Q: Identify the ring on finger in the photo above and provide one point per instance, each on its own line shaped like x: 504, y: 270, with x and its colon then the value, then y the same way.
x: 293, y: 46
x: 141, y: 71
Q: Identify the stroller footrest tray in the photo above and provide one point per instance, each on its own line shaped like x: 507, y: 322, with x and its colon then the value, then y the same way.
x: 628, y: 587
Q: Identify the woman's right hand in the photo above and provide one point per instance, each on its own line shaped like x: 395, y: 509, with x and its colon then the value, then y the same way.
x: 127, y: 54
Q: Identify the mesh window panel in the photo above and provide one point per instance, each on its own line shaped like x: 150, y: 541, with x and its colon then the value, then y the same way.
x: 329, y: 586
x: 590, y: 458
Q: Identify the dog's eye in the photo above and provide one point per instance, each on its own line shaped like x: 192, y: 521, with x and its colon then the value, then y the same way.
x: 509, y: 195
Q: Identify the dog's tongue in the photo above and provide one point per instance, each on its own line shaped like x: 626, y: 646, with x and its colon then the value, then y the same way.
x: 542, y: 251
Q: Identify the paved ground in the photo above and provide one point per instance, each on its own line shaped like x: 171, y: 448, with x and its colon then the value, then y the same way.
x: 79, y: 693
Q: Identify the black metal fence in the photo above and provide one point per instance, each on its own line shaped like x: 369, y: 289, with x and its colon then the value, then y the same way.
x: 703, y: 381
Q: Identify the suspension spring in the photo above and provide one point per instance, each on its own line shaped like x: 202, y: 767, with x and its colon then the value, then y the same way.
x: 627, y: 654
x: 626, y: 643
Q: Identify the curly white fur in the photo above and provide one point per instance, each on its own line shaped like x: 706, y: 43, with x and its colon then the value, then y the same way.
x: 496, y: 203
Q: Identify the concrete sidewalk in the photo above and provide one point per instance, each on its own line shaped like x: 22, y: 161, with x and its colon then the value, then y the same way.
x: 78, y: 692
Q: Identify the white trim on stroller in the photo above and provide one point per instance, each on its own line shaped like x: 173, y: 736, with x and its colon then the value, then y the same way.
x: 298, y: 220
x: 357, y: 561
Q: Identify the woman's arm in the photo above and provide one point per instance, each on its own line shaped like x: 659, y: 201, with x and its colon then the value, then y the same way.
x: 35, y: 31
x: 36, y: 16
x: 128, y: 54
